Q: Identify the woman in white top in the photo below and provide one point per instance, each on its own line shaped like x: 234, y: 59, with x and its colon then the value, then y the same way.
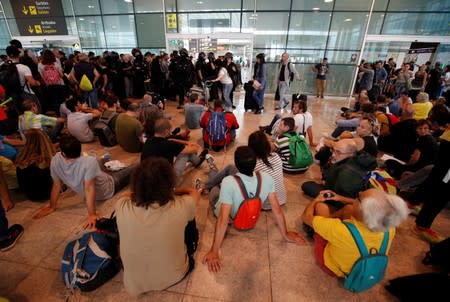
x: 227, y: 85
x: 269, y: 162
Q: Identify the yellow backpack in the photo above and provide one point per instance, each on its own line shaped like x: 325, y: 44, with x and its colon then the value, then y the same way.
x: 85, y: 84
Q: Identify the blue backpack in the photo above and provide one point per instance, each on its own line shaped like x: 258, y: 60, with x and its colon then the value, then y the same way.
x: 217, y: 127
x: 370, y: 268
x: 89, y: 261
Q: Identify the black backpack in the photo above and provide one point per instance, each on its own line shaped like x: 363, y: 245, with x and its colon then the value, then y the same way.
x: 439, y: 254
x: 103, y: 130
x: 10, y: 79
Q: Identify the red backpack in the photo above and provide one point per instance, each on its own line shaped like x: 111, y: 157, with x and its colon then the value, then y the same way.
x: 248, y: 213
x: 51, y: 75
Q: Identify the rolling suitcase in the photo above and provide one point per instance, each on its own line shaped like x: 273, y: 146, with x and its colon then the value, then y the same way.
x: 249, y: 102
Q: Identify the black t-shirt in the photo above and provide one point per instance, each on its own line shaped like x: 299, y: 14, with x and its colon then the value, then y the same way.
x: 370, y: 145
x: 428, y: 150
x: 161, y: 147
x: 283, y: 67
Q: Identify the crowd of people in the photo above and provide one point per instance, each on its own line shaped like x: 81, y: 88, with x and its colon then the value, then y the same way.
x: 42, y: 153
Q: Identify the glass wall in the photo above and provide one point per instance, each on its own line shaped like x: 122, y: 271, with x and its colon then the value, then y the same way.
x: 308, y: 30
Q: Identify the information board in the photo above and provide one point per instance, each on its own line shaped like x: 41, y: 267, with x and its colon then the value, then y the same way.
x: 39, y: 18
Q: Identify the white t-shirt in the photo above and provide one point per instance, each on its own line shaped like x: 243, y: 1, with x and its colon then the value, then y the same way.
x: 84, y: 168
x: 78, y: 126
x: 225, y: 76
x: 302, y: 122
x: 24, y: 71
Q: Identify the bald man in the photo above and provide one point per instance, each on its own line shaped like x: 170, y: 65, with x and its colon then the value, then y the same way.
x: 345, y: 172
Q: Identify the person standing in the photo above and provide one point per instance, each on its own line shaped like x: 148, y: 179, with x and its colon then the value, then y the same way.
x: 321, y: 79
x: 183, y: 75
x: 286, y: 74
x: 260, y: 75
x: 227, y: 85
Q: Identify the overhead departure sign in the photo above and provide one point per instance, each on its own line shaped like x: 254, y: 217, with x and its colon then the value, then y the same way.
x: 39, y: 18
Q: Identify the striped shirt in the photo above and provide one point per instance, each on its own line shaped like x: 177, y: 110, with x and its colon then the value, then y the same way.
x: 276, y: 172
x: 30, y: 120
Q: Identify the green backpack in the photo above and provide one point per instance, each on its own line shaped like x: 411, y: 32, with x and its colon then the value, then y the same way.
x: 300, y: 155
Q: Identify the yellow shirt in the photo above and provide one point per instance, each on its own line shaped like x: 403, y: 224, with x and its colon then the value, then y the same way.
x: 421, y: 110
x: 152, y: 245
x: 341, y: 251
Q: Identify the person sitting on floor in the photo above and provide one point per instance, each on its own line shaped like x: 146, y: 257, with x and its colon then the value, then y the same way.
x: 367, y: 130
x: 230, y: 130
x: 193, y: 112
x: 129, y: 130
x: 303, y: 121
x: 281, y: 145
x: 160, y: 146
x: 83, y: 175
x: 155, y: 212
x: 31, y: 119
x: 79, y: 120
x: 424, y: 154
x: 373, y: 213
x: 33, y: 165
x: 346, y: 170
x: 231, y: 198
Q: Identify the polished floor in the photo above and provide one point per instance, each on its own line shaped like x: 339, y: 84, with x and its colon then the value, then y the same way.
x: 257, y: 265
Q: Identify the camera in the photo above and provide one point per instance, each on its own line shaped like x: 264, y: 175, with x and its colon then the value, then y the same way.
x: 328, y: 195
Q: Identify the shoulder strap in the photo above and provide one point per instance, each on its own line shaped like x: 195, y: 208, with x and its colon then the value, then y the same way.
x: 304, y: 122
x: 288, y: 135
x: 244, y: 190
x: 360, y: 242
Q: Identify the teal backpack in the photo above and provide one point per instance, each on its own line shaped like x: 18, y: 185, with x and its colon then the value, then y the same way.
x: 300, y: 155
x: 370, y: 268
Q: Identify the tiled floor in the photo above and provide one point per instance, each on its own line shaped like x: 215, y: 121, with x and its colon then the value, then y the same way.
x: 257, y: 265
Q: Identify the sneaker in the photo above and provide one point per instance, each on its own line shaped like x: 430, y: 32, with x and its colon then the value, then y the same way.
x: 211, y: 163
x: 14, y: 233
x: 234, y: 107
x: 202, y: 157
x: 427, y: 234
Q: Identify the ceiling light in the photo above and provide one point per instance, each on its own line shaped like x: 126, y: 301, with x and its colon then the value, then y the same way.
x: 347, y: 20
x: 81, y: 19
x: 327, y: 1
x: 90, y: 6
x: 199, y: 2
x: 128, y: 1
x: 316, y: 8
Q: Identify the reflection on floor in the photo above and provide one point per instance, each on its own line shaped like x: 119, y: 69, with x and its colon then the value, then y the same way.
x: 257, y: 265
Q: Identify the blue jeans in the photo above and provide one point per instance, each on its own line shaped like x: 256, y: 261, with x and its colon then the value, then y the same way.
x: 258, y: 95
x: 283, y: 88
x: 91, y: 97
x: 214, y: 180
x: 3, y: 223
x: 226, y: 90
x: 180, y: 163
